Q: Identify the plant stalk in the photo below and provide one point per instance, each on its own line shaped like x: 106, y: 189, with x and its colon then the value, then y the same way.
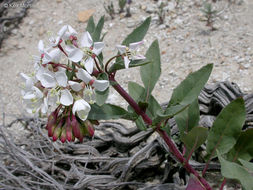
x: 163, y: 134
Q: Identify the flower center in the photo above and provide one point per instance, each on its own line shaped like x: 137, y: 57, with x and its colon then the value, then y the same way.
x: 128, y: 53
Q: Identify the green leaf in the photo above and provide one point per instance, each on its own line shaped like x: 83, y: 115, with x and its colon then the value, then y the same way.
x: 188, y: 118
x: 137, y: 92
x: 189, y: 89
x: 170, y: 112
x: 106, y: 112
x: 97, y: 32
x: 151, y: 72
x: 138, y: 33
x: 101, y: 97
x: 194, y: 139
x: 120, y: 64
x: 140, y: 124
x: 232, y: 170
x: 166, y: 128
x: 247, y: 165
x: 91, y: 25
x: 226, y: 128
x: 244, y: 146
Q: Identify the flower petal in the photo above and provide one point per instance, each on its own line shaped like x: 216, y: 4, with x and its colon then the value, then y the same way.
x: 97, y: 48
x: 61, y: 78
x: 37, y: 92
x: 47, y: 80
x: 72, y: 31
x: 29, y: 95
x: 44, y: 106
x: 100, y: 85
x: 66, y: 97
x: 83, y: 75
x: 86, y: 40
x: 74, y: 54
x: 126, y: 62
x: 122, y: 49
x: 135, y: 45
x: 75, y: 86
x: 55, y: 55
x: 89, y: 64
x: 41, y: 46
x: 138, y: 57
x: 82, y: 108
x: 62, y: 31
x: 52, y: 97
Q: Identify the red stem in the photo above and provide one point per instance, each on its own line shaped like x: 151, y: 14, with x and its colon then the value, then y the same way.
x: 130, y: 100
x: 163, y: 134
x: 223, y: 184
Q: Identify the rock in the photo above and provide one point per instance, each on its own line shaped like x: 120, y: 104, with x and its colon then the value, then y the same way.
x: 247, y: 65
x: 130, y: 24
x: 31, y: 22
x: 151, y: 8
x: 179, y: 21
x: 14, y: 31
x: 186, y: 49
x: 162, y: 26
x: 83, y: 16
x: 170, y: 6
x: 143, y: 7
x: 226, y: 53
x: 240, y: 60
x: 60, y: 22
x: 41, y: 31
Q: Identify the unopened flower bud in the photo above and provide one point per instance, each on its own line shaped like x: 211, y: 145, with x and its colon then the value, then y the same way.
x: 69, y: 130
x: 90, y: 128
x: 75, y: 126
x: 63, y: 134
x: 57, y: 131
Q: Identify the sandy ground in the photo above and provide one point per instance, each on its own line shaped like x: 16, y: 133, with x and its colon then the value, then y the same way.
x: 186, y: 44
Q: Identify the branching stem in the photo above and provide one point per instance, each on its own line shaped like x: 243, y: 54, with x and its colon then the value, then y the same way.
x: 162, y: 133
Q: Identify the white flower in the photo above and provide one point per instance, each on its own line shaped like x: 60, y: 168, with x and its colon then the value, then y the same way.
x: 34, y: 101
x: 88, y: 50
x: 47, y: 55
x: 55, y: 80
x: 66, y: 97
x: 130, y: 53
x: 75, y: 86
x: 53, y: 56
x: 82, y: 108
x: 29, y: 82
x: 89, y: 95
x: 66, y: 32
x: 99, y: 85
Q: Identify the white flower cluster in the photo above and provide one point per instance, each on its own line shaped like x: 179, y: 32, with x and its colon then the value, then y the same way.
x: 68, y: 89
x: 50, y: 86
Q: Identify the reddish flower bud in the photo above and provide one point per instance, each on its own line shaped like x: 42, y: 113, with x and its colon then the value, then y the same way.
x: 90, y: 128
x: 57, y: 131
x: 63, y: 134
x: 50, y: 130
x: 69, y: 129
x: 52, y: 119
x: 75, y: 126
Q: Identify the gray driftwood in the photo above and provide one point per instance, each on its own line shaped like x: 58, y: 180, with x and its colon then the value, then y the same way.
x: 116, y: 158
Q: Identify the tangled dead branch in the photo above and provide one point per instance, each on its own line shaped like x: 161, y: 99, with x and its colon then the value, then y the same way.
x: 117, y: 157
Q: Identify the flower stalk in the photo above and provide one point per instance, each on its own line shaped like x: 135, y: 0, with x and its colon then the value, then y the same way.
x: 162, y: 133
